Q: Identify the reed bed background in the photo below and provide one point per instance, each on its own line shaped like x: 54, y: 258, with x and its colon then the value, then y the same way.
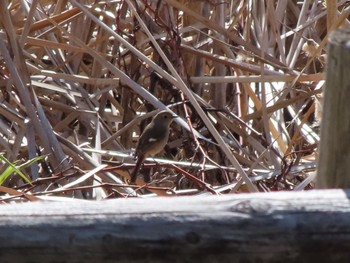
x: 80, y: 79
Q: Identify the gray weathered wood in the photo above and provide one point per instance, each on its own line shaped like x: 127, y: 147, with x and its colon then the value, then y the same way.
x: 334, y: 158
x: 309, y: 226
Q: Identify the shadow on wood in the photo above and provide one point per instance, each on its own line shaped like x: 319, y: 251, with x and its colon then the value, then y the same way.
x: 274, y: 227
x: 334, y: 157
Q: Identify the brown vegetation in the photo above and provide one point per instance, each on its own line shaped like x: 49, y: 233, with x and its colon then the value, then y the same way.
x: 77, y: 76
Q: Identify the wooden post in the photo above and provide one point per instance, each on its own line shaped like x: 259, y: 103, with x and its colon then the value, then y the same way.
x: 334, y: 153
x: 310, y: 226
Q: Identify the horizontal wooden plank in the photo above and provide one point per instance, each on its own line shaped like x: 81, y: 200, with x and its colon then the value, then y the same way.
x: 271, y: 227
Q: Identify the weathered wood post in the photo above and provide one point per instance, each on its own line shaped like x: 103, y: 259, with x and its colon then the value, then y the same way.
x: 334, y: 153
x: 288, y: 227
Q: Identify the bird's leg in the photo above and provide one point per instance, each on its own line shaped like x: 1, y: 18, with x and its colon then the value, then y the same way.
x: 154, y: 170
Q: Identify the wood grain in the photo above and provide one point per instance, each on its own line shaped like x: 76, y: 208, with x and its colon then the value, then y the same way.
x: 334, y: 158
x: 275, y: 227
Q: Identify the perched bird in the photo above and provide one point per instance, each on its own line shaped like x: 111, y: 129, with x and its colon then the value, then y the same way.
x: 153, y: 139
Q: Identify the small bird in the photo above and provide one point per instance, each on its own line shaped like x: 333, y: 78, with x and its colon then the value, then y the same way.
x: 153, y: 139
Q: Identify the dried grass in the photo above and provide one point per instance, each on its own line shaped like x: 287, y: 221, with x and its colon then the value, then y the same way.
x: 244, y: 78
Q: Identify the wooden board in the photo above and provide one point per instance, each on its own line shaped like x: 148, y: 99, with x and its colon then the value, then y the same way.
x: 309, y: 226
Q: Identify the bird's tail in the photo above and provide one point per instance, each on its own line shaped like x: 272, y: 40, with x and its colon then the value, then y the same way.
x: 139, y: 162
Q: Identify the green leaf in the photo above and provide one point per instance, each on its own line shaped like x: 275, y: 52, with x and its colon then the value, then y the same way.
x: 15, y: 169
